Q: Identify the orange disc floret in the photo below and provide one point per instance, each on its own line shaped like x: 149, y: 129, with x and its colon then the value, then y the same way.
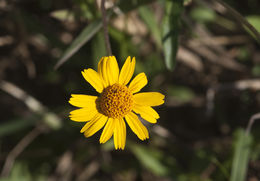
x: 115, y: 101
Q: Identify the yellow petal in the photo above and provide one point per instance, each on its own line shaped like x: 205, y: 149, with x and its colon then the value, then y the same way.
x: 119, y: 134
x: 127, y: 71
x: 108, y: 131
x: 94, y: 79
x: 99, y: 65
x: 91, y: 122
x: 116, y: 134
x: 80, y: 100
x: 96, y: 126
x: 113, y: 70
x: 102, y: 70
x: 136, y: 125
x: 149, y: 98
x: 83, y: 114
x: 147, y: 113
x: 138, y: 83
x: 123, y: 133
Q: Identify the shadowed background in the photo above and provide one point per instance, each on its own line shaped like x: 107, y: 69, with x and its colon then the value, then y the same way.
x: 203, y: 55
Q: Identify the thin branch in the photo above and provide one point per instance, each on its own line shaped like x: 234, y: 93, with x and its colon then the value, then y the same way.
x: 252, y: 84
x: 33, y: 104
x: 18, y: 149
x: 89, y: 171
x: 251, y: 122
x: 49, y: 118
x: 240, y: 19
x: 104, y: 20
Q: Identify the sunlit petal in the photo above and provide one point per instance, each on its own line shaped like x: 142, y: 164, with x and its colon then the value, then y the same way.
x: 127, y: 71
x: 94, y: 79
x: 83, y: 114
x: 149, y: 98
x: 80, y: 100
x: 112, y: 70
x: 137, y: 126
x: 91, y: 122
x: 96, y: 126
x: 147, y: 113
x: 102, y: 70
x: 108, y: 131
x: 138, y: 83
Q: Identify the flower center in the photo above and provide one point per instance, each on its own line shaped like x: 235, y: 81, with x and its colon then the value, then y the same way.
x: 115, y: 101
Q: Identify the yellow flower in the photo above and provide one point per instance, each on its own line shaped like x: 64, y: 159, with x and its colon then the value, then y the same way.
x: 117, y: 102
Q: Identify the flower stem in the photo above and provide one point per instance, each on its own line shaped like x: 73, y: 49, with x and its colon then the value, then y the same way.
x: 104, y: 19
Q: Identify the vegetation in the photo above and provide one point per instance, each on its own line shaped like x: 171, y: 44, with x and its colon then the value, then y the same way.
x: 202, y: 55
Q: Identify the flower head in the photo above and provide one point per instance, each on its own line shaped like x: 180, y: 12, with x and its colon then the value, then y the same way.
x: 118, y: 102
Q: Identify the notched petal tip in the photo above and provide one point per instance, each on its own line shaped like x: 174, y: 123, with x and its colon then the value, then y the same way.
x: 101, y: 142
x: 160, y: 95
x: 163, y: 96
x: 119, y: 149
x: 112, y: 70
x: 83, y: 72
x: 127, y: 71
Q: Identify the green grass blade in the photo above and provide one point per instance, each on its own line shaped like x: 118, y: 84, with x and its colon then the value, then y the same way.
x: 170, y: 34
x: 243, y: 21
x: 148, y: 17
x: 255, y: 21
x: 149, y: 159
x: 83, y: 38
x: 12, y: 126
x: 243, y: 144
x: 99, y: 46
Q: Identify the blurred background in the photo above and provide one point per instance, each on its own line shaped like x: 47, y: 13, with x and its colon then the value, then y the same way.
x: 203, y: 55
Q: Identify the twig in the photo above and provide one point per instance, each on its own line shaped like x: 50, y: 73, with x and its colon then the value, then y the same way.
x: 89, y: 171
x: 18, y: 149
x: 252, y: 84
x: 104, y: 20
x: 33, y: 104
x: 211, y: 51
x: 23, y: 52
x: 214, y: 57
x: 221, y: 40
x: 240, y: 19
x: 208, y: 171
x: 6, y: 40
x: 65, y: 167
x: 50, y: 118
x: 163, y: 132
x: 251, y: 122
x: 190, y: 59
